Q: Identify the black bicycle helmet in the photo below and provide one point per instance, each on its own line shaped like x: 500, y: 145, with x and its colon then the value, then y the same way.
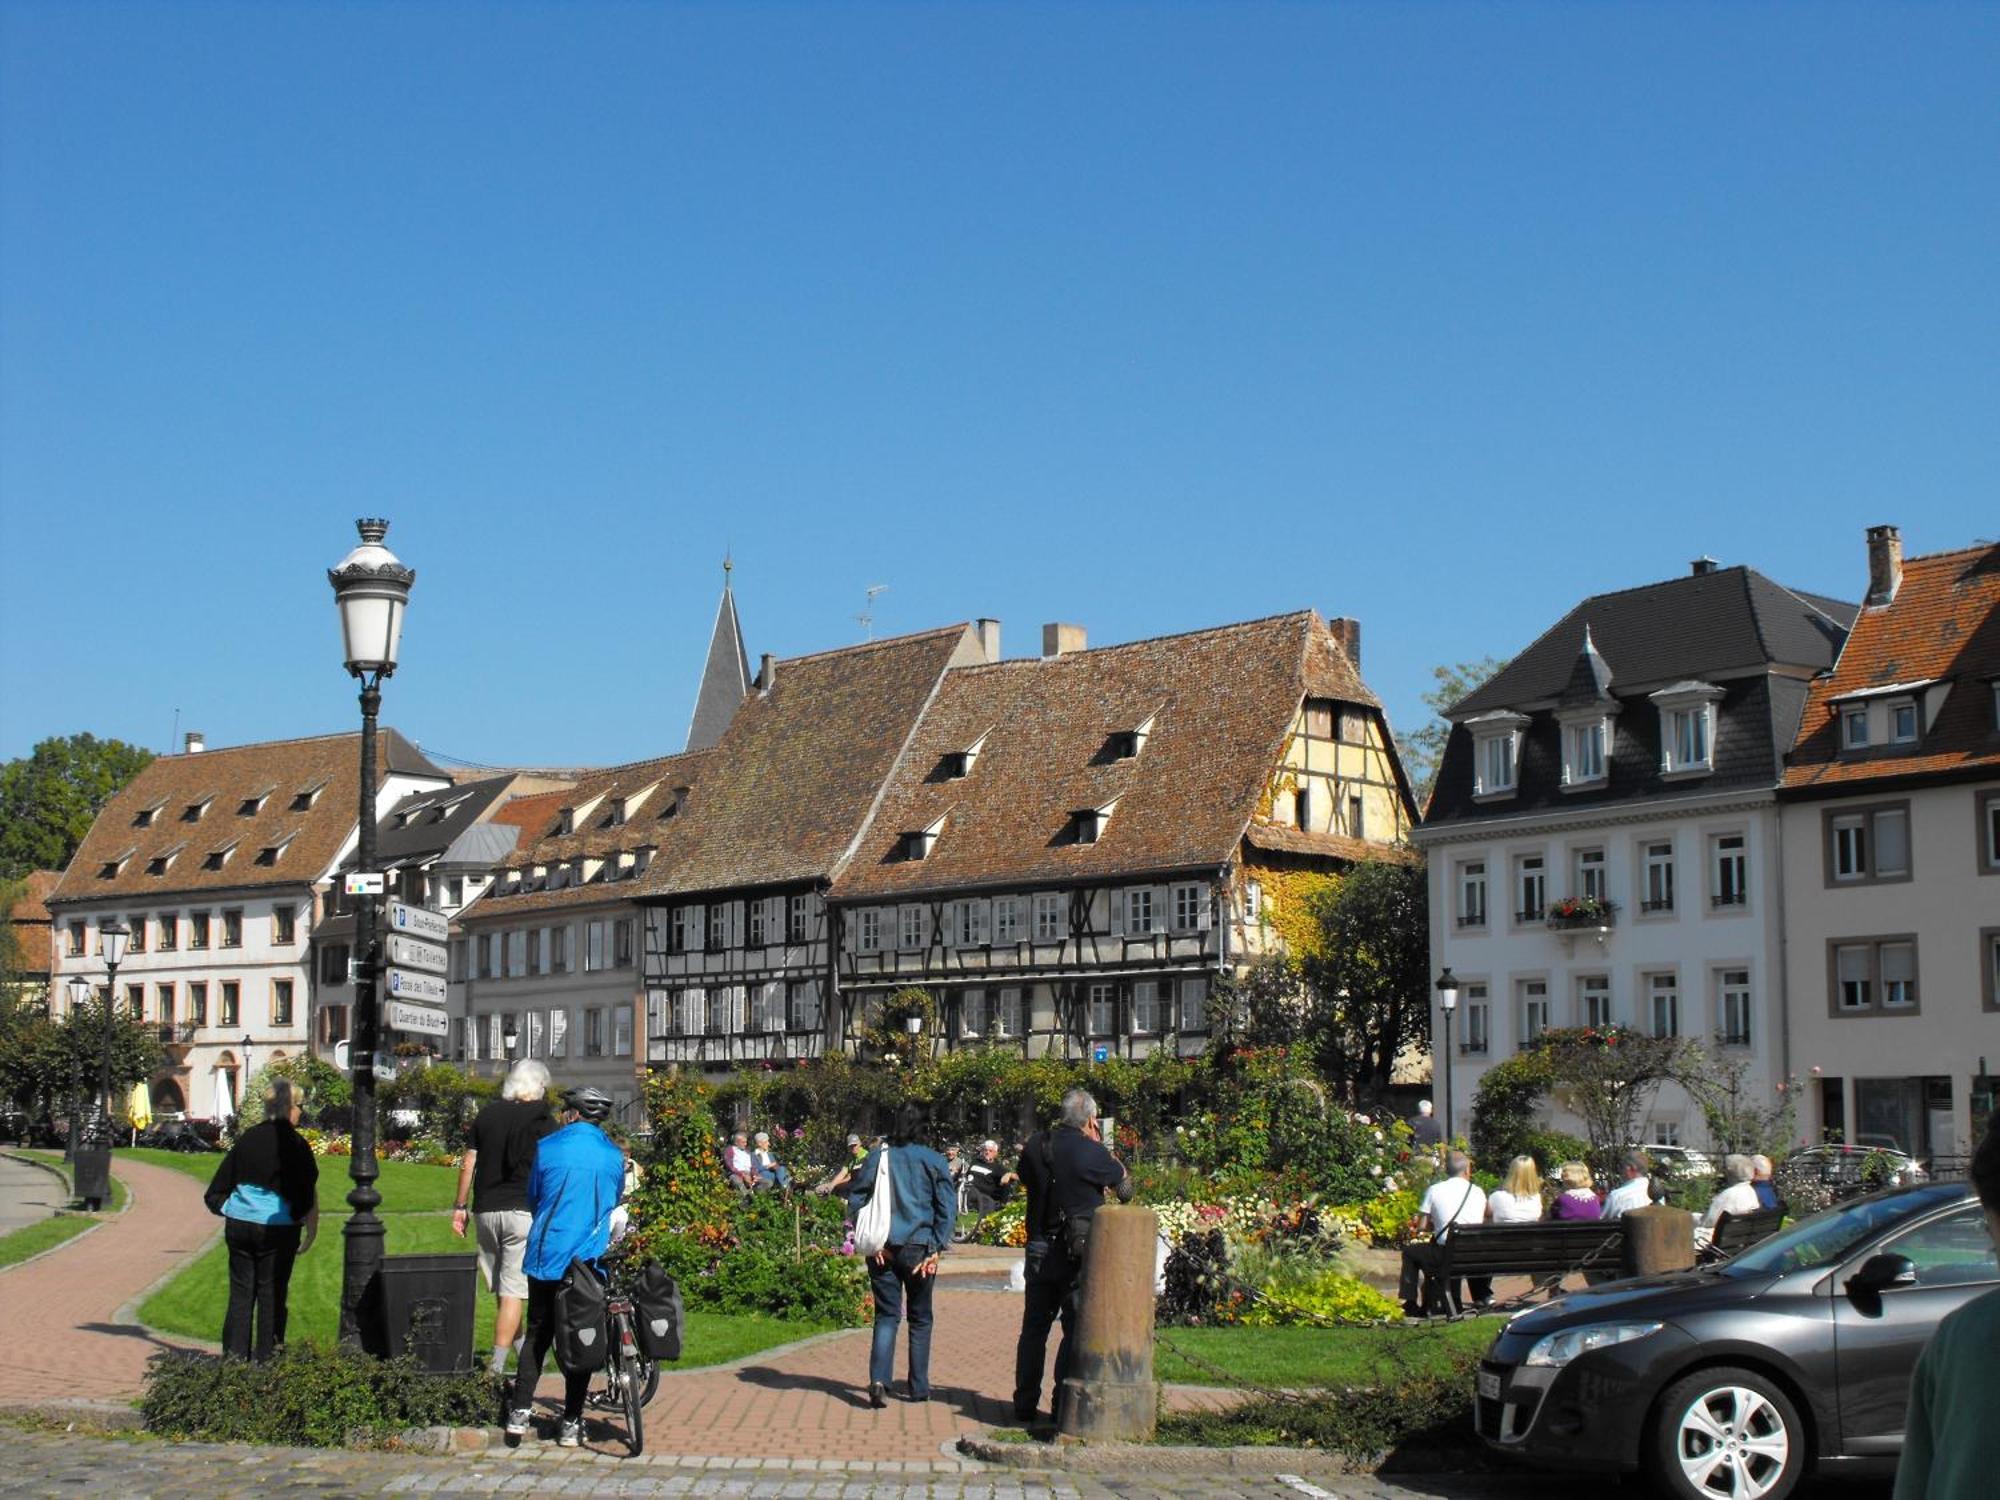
x: 593, y: 1104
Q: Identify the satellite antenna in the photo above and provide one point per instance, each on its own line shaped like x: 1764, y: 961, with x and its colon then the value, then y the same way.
x: 867, y: 615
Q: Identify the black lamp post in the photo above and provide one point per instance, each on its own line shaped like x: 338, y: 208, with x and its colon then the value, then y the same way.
x: 77, y: 989
x: 372, y: 589
x: 510, y: 1039
x: 1447, y: 988
x: 93, y: 1156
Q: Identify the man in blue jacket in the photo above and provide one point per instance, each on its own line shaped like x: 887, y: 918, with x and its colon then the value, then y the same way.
x: 575, y: 1184
x: 923, y: 1208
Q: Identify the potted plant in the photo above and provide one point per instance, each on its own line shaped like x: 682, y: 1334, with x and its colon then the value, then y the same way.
x: 1580, y: 911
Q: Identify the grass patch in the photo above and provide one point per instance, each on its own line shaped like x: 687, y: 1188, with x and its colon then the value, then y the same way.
x: 33, y: 1239
x: 193, y: 1303
x: 406, y: 1187
x: 119, y: 1193
x: 1295, y: 1358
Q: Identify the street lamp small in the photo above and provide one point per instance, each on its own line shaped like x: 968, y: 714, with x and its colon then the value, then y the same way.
x: 1447, y: 988
x: 371, y: 587
x: 510, y: 1038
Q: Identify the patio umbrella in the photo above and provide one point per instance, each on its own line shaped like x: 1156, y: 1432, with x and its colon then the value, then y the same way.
x: 140, y: 1108
x: 225, y: 1095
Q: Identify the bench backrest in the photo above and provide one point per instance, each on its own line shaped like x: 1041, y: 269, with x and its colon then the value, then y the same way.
x: 1740, y: 1231
x: 1478, y: 1248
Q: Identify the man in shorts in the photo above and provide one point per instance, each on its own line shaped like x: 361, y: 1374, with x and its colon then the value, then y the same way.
x: 493, y: 1178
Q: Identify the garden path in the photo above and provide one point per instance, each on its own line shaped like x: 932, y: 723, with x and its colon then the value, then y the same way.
x: 28, y: 1193
x: 64, y: 1337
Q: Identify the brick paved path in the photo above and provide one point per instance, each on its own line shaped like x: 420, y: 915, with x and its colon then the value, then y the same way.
x: 64, y: 1339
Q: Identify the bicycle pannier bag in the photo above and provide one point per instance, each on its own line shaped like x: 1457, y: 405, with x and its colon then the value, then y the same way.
x: 656, y: 1308
x: 580, y: 1340
x: 871, y: 1228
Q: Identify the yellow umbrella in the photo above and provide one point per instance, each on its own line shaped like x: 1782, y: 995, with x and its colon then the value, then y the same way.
x: 140, y: 1109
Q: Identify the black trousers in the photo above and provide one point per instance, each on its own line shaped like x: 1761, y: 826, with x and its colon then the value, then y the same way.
x: 541, y: 1334
x: 1422, y: 1262
x: 1054, y: 1287
x: 260, y: 1275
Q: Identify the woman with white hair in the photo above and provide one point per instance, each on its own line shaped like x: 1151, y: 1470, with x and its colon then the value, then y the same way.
x: 493, y: 1192
x: 1738, y: 1197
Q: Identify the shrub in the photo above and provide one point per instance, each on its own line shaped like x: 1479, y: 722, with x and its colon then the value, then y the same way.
x: 1199, y: 1291
x: 1293, y: 1290
x: 306, y: 1395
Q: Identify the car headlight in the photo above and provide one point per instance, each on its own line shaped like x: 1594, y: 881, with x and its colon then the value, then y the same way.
x: 1560, y: 1348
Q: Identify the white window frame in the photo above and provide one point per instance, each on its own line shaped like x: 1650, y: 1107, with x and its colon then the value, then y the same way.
x: 1854, y: 726
x: 1662, y: 989
x: 1657, y: 877
x: 1720, y: 859
x: 1007, y: 1017
x: 1049, y: 924
x: 1496, y: 754
x: 1146, y: 1007
x: 1734, y: 1007
x: 912, y: 929
x: 1590, y: 868
x: 1139, y: 911
x: 1893, y: 710
x: 1006, y: 919
x: 1475, y: 1037
x: 1536, y: 1014
x: 972, y: 1014
x: 1099, y: 1020
x: 1595, y: 1004
x: 1520, y: 869
x: 1586, y: 751
x: 1471, y: 883
x: 1191, y: 1004
x: 1687, y: 728
x: 868, y: 929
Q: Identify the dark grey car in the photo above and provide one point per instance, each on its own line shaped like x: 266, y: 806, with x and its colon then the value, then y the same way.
x: 1738, y: 1379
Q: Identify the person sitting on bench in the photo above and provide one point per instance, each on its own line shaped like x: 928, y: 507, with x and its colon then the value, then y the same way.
x: 987, y: 1183
x: 1453, y: 1199
x: 1738, y: 1197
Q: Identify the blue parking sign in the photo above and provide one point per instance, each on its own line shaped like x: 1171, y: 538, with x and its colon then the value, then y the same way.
x: 1100, y: 1053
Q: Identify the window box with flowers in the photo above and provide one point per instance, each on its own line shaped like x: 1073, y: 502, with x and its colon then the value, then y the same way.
x: 1573, y: 913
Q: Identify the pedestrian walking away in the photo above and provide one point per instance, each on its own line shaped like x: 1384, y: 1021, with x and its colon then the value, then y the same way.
x: 1424, y: 1127
x: 572, y: 1190
x: 493, y: 1193
x: 902, y: 1275
x: 266, y: 1191
x: 1065, y: 1173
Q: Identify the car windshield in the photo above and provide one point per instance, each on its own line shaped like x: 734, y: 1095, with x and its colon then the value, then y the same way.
x: 1830, y: 1236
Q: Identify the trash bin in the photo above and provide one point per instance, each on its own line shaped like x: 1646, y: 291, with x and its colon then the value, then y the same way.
x: 92, y: 1165
x: 425, y: 1304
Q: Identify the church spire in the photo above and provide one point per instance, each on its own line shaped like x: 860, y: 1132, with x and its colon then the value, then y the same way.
x: 725, y: 677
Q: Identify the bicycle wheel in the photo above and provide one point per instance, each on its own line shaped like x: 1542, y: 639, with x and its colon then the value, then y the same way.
x: 632, y: 1385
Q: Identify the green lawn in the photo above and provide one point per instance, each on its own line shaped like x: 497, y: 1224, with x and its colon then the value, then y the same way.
x: 55, y: 1159
x: 194, y: 1301
x: 33, y: 1239
x: 1292, y: 1358
x: 405, y: 1187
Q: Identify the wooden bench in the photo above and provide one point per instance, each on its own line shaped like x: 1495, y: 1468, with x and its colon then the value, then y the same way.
x: 1736, y: 1232
x: 1545, y: 1250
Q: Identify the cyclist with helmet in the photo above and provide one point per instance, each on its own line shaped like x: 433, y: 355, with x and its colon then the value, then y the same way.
x: 574, y: 1187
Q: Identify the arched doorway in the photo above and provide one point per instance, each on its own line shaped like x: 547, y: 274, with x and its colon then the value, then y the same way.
x: 168, y: 1098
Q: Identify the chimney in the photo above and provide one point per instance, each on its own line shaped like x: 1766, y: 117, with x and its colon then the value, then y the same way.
x: 989, y: 638
x: 1702, y: 566
x: 767, y: 671
x: 195, y: 743
x: 1885, y: 563
x: 1347, y: 631
x: 1058, y: 640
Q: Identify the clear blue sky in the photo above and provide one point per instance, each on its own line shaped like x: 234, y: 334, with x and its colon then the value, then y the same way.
x: 1147, y: 317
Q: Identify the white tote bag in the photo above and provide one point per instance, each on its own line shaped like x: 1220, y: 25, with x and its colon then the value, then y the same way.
x: 871, y: 1229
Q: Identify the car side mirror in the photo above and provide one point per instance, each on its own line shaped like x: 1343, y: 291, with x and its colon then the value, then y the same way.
x: 1880, y: 1272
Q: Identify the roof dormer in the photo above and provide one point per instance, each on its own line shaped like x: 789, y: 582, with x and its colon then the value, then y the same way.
x: 162, y: 862
x: 958, y: 764
x: 271, y: 853
x: 196, y: 809
x: 253, y: 804
x: 1687, y: 727
x: 917, y: 843
x: 113, y: 867
x: 1496, y: 752
x: 1126, y: 744
x: 304, y: 798
x: 146, y: 816
x: 1088, y: 823
x: 219, y: 856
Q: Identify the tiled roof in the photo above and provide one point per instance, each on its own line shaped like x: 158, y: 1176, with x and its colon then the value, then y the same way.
x: 1220, y: 704
x: 32, y: 904
x: 790, y: 785
x: 1283, y: 838
x: 1701, y: 625
x: 308, y: 814
x: 1942, y: 626
x: 654, y: 824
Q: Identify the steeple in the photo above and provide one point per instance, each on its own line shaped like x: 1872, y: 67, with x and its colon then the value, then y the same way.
x: 1589, y: 678
x: 725, y: 677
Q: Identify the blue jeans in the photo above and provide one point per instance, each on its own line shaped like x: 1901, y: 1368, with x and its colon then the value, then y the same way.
x: 901, y: 1293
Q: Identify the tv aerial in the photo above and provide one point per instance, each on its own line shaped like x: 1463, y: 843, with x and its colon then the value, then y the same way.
x: 867, y: 615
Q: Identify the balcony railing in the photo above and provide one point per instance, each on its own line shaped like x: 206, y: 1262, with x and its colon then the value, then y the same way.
x: 1581, y: 914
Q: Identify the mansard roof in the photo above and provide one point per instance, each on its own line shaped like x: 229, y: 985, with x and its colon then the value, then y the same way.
x: 298, y: 796
x: 1217, y: 704
x: 793, y: 780
x: 1940, y: 635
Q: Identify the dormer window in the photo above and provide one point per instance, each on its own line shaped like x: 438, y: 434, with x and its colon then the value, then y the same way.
x: 306, y: 796
x: 219, y: 857
x: 253, y: 804
x: 1854, y: 727
x: 115, y: 866
x: 145, y: 815
x: 1091, y: 822
x: 193, y: 811
x: 162, y: 862
x: 958, y: 764
x: 615, y: 816
x: 270, y: 854
x: 1903, y: 721
x: 1586, y: 746
x: 566, y: 821
x: 642, y: 859
x: 1496, y: 752
x: 1127, y: 743
x: 1687, y: 728
x: 676, y: 804
x: 918, y: 842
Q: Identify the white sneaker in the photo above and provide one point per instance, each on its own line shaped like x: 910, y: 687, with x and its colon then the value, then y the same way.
x: 571, y: 1435
x: 517, y: 1420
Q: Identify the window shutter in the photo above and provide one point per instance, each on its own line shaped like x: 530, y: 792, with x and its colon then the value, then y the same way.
x: 697, y: 928
x: 1117, y: 913
x: 558, y: 1032
x: 1204, y: 906
x: 498, y: 1049
x: 1163, y: 908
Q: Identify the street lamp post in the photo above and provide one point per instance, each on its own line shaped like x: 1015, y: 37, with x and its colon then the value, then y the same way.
x: 243, y: 1089
x: 372, y: 589
x: 78, y: 991
x: 509, y: 1039
x: 93, y: 1157
x: 1447, y: 988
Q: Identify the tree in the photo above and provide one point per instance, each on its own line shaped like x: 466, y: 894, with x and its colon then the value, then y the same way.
x: 46, y: 1065
x: 1738, y: 1120
x: 1267, y: 1005
x: 49, y: 800
x: 1423, y: 749
x: 1370, y: 980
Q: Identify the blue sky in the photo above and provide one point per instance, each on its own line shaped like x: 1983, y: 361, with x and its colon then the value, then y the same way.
x: 1147, y: 317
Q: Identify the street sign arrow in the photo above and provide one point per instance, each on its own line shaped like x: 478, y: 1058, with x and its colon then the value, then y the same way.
x: 429, y: 1019
x: 415, y: 953
x: 419, y: 921
x: 407, y: 984
x: 363, y: 883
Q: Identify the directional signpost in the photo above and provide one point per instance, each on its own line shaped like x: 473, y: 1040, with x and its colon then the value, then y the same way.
x: 413, y: 982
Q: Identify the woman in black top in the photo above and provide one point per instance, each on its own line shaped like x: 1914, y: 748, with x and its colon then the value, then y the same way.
x: 266, y: 1191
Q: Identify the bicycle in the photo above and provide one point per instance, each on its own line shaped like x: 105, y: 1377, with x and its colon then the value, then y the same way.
x: 630, y: 1379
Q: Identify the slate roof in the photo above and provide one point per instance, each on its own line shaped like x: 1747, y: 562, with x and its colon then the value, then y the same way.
x: 1703, y: 625
x: 1733, y: 628
x: 792, y: 782
x: 278, y: 772
x: 654, y: 823
x: 1943, y: 625
x: 725, y: 677
x: 424, y: 824
x: 1221, y: 703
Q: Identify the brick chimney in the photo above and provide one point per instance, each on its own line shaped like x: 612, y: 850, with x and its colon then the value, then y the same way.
x: 1347, y: 631
x: 1702, y: 566
x: 989, y: 638
x: 1885, y: 563
x: 1058, y: 640
x: 195, y: 742
x: 767, y: 671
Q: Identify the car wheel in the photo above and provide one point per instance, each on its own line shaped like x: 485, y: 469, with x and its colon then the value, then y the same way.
x: 1728, y: 1432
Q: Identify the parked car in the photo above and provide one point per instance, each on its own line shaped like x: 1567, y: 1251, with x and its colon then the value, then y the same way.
x: 1681, y: 1161
x: 1847, y: 1169
x: 1740, y: 1378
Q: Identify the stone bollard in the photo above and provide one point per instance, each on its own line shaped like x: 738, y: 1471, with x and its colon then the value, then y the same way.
x: 1110, y: 1395
x: 1658, y: 1239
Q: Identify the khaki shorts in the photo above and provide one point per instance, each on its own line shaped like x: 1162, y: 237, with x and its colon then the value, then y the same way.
x: 503, y: 1244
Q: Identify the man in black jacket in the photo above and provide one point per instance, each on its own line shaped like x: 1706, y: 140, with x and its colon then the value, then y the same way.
x: 1065, y: 1172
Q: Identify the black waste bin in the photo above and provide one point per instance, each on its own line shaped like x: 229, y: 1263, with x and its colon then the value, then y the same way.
x: 425, y: 1304
x: 92, y: 1165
